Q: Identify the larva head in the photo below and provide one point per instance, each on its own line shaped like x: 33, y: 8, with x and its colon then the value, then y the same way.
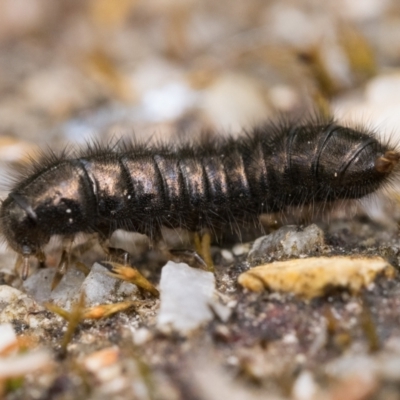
x: 52, y: 202
x: 19, y: 225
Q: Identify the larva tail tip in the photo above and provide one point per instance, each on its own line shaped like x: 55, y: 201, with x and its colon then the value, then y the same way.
x: 386, y: 163
x: 392, y: 156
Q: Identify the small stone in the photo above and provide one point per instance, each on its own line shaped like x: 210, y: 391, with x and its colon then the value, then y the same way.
x: 222, y: 333
x: 141, y: 336
x: 38, y: 286
x: 126, y: 289
x: 103, y: 358
x: 300, y: 358
x: 110, y: 373
x: 304, y: 387
x: 228, y: 256
x: 345, y: 366
x: 311, y: 277
x: 239, y: 249
x: 186, y: 294
x: 100, y: 287
x: 221, y: 311
x: 15, y: 305
x: 22, y: 364
x: 389, y: 367
x: 288, y: 241
x: 232, y: 360
x: 9, y: 295
x: 8, y: 337
x: 104, y: 365
x: 290, y: 338
x: 283, y: 97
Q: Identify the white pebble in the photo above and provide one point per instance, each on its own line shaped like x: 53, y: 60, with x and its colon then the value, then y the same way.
x: 238, y: 250
x: 186, y: 294
x: 304, y: 387
x: 141, y: 336
x: 290, y: 338
x: 7, y: 336
x: 227, y: 255
x: 24, y: 363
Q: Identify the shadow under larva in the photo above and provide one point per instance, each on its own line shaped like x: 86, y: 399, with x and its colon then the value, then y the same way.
x: 203, y: 185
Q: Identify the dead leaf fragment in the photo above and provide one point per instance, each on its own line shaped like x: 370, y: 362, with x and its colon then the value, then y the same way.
x: 311, y: 277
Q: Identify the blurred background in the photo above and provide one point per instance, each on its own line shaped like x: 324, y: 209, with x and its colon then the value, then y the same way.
x: 78, y: 69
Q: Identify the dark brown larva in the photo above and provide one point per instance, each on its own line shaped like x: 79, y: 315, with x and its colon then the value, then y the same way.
x: 142, y: 188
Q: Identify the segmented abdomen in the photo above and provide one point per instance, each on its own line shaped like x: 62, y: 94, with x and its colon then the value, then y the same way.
x: 234, y: 180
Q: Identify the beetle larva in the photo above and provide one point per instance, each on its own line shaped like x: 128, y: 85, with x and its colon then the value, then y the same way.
x: 194, y: 186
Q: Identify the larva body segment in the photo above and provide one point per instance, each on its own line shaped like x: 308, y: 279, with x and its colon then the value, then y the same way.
x: 196, y: 186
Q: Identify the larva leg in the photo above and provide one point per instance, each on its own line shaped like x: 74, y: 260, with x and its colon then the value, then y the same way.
x: 80, y: 266
x: 125, y: 271
x: 114, y: 252
x: 189, y: 257
x: 72, y: 256
x: 81, y: 249
x: 41, y: 257
x: 64, y: 263
x: 22, y: 266
x: 184, y: 255
x: 84, y: 247
x: 203, y: 247
x: 198, y: 258
x: 22, y: 262
x: 119, y: 254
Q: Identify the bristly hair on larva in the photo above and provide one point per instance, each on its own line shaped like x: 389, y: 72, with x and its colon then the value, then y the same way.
x: 207, y: 184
